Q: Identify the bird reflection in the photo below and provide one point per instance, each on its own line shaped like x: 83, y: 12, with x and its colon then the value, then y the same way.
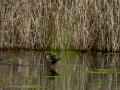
x: 41, y: 66
x: 52, y: 75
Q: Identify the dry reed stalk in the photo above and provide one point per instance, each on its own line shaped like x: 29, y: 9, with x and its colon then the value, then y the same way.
x: 75, y: 25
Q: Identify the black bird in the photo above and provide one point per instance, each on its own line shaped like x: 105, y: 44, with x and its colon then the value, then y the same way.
x: 52, y: 59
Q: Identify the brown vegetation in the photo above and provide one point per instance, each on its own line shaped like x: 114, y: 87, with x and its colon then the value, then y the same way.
x: 60, y: 24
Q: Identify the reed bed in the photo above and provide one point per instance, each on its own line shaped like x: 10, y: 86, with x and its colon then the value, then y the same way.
x: 60, y: 24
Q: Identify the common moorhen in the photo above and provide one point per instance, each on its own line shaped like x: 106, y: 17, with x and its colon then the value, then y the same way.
x: 52, y: 59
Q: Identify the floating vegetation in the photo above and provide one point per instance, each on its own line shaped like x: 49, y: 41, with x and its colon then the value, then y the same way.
x: 34, y: 87
x: 21, y: 50
x: 71, y: 52
x: 1, y: 56
x: 118, y: 72
x: 12, y: 59
x: 104, y: 80
x: 105, y: 70
x: 31, y: 52
x: 83, y: 82
x: 4, y: 79
x: 48, y: 52
x: 37, y: 52
x: 4, y: 75
x: 32, y: 72
x: 28, y: 52
x: 72, y: 84
x: 90, y: 84
x: 24, y: 60
x: 110, y: 64
x: 99, y: 53
x: 92, y: 72
x: 113, y: 53
x: 102, y: 71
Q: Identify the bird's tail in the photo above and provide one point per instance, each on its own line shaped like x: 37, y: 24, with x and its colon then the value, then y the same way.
x: 58, y: 59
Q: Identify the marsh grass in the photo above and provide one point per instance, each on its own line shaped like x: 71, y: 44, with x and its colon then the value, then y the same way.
x: 62, y: 25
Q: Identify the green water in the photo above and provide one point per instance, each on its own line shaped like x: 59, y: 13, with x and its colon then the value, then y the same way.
x: 79, y: 71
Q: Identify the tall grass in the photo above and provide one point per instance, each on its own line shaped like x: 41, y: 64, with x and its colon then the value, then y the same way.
x: 62, y: 24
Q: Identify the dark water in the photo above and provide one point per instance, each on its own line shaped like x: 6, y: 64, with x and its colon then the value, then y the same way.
x: 75, y: 71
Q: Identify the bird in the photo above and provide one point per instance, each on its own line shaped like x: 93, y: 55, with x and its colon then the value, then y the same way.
x: 52, y: 59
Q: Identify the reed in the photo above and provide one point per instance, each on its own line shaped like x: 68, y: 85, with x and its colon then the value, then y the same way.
x: 60, y: 25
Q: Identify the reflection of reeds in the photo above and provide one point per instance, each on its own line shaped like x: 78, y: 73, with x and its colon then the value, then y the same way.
x: 70, y: 77
x: 73, y: 24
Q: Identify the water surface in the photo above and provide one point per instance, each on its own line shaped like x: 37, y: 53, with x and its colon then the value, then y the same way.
x: 79, y: 71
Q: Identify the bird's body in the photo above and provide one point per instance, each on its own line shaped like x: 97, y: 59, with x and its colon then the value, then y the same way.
x: 52, y: 59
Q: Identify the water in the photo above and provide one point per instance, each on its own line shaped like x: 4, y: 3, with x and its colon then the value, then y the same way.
x: 79, y: 71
